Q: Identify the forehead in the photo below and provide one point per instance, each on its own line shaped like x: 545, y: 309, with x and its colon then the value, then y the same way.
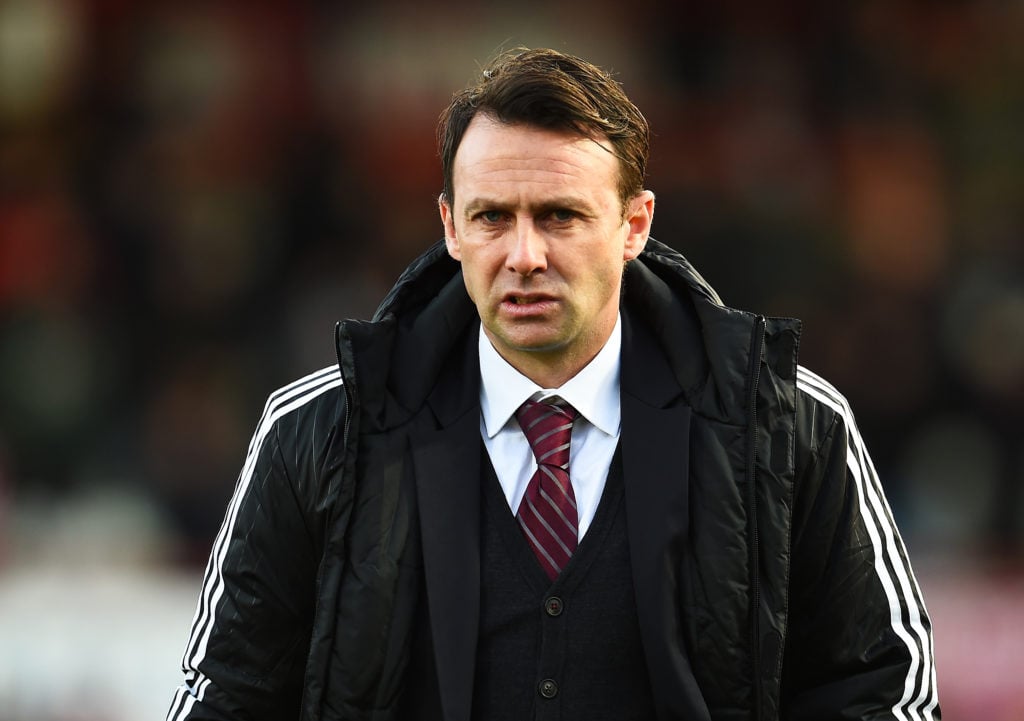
x: 501, y: 156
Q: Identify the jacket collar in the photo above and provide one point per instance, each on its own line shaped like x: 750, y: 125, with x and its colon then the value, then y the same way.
x: 406, y: 345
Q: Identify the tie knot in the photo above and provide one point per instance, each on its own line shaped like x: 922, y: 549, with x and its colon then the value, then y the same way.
x: 548, y: 429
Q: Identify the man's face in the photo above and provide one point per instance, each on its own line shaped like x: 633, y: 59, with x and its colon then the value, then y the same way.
x: 539, y: 228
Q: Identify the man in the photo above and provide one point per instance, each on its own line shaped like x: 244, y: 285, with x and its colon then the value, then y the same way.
x: 555, y: 477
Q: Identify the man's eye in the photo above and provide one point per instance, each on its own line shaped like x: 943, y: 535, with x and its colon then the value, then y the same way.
x: 490, y: 216
x: 562, y: 216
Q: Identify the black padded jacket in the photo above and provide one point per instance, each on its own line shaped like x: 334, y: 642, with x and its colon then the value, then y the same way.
x: 770, y: 578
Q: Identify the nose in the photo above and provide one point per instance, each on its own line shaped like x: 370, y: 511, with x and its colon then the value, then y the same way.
x: 528, y: 253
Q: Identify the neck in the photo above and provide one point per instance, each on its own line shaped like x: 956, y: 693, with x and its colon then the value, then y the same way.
x: 549, y: 376
x: 551, y: 369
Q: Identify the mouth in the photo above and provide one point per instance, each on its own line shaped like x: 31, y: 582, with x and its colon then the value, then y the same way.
x: 519, y: 303
x: 527, y: 298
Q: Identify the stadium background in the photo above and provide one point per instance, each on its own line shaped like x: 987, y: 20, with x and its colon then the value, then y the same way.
x: 192, y: 193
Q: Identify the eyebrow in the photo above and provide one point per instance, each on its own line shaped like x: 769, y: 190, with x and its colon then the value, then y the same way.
x: 578, y: 205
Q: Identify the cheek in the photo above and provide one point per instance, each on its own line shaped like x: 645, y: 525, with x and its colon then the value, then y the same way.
x: 475, y: 285
x: 606, y: 282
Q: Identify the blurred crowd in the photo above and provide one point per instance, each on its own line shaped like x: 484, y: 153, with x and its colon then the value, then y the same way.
x: 191, y: 194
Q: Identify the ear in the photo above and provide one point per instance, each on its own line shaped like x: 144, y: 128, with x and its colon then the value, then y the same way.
x: 638, y: 218
x: 451, y: 240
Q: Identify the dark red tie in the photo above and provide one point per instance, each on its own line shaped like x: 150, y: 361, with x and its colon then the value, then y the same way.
x: 547, y: 513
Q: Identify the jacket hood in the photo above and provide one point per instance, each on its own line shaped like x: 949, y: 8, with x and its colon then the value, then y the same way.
x: 396, y: 357
x: 672, y: 297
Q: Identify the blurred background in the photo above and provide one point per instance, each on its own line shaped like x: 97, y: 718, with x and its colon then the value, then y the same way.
x: 191, y: 194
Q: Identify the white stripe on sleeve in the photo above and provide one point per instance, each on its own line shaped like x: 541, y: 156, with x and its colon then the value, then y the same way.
x: 280, y: 403
x: 891, y: 562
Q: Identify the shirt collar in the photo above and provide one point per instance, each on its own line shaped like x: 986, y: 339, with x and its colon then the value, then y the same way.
x: 594, y: 391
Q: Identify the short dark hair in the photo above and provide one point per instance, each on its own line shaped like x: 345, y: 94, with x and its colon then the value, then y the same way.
x: 548, y: 89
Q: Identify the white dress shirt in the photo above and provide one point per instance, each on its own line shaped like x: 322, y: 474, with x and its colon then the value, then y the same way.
x: 594, y: 392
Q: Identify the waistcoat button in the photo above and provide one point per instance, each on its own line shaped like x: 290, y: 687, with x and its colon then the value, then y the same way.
x: 553, y: 605
x: 548, y: 688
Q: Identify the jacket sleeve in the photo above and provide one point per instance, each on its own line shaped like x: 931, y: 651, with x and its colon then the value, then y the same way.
x: 247, y: 650
x: 859, y: 644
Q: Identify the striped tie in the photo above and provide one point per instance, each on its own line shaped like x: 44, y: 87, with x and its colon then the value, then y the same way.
x: 547, y: 513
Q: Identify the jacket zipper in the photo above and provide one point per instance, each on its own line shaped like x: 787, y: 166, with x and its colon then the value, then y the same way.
x: 345, y: 387
x: 754, y: 375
